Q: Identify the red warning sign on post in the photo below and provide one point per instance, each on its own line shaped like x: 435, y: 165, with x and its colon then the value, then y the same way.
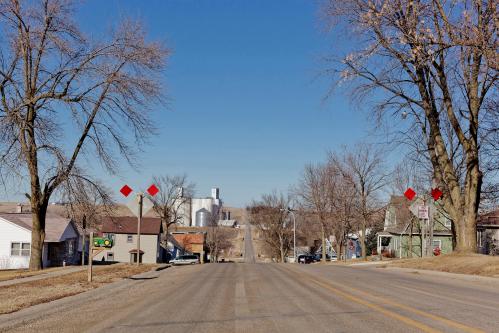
x: 409, y: 193
x: 126, y: 190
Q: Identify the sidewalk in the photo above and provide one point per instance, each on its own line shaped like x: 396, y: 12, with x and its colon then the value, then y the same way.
x: 67, y: 270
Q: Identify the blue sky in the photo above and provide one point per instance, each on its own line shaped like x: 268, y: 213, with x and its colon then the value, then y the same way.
x: 247, y: 110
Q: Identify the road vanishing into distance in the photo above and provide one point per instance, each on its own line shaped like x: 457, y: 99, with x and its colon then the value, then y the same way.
x: 249, y: 251
x: 242, y: 297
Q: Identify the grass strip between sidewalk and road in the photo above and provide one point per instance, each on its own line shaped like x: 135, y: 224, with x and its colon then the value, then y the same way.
x: 474, y: 264
x: 26, y: 294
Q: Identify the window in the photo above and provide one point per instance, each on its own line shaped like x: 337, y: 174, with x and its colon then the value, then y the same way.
x: 20, y: 249
x: 71, y: 247
x: 437, y: 243
x: 448, y: 223
x: 129, y: 238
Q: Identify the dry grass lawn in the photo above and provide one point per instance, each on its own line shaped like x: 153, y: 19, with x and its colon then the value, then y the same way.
x: 23, y: 295
x: 475, y: 264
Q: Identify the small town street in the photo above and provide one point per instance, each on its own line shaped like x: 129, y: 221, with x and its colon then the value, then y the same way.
x: 238, y: 297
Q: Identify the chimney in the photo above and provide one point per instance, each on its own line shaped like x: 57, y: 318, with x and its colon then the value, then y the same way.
x: 19, y: 208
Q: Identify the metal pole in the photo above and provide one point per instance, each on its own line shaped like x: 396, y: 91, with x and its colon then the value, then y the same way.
x: 90, y: 257
x: 83, y: 240
x: 140, y: 196
x: 294, y: 235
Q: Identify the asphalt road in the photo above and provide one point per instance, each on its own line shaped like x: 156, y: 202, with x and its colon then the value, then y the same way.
x: 249, y: 251
x: 286, y: 298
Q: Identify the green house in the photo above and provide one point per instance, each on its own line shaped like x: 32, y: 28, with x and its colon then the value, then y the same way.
x: 404, y: 232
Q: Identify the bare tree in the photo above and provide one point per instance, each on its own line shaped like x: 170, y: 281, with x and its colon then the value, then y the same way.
x: 315, y: 192
x: 363, y: 168
x: 86, y: 203
x: 63, y: 95
x: 218, y: 240
x: 269, y: 215
x: 344, y: 208
x: 172, y: 203
x: 435, y: 62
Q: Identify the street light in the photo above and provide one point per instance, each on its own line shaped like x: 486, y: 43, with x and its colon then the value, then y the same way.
x: 289, y: 210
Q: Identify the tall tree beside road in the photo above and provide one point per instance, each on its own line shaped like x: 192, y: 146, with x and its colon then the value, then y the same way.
x: 269, y: 215
x: 315, y: 193
x: 363, y: 167
x: 434, y: 62
x: 172, y: 202
x: 218, y: 239
x: 63, y: 95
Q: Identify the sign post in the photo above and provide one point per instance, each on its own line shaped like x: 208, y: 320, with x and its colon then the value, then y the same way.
x: 140, y: 199
x: 92, y: 252
x: 138, y: 207
x: 424, y: 213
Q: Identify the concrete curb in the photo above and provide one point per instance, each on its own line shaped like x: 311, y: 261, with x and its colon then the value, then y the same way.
x: 162, y: 267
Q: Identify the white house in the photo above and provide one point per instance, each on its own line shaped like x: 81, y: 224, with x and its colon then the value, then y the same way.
x: 60, y: 243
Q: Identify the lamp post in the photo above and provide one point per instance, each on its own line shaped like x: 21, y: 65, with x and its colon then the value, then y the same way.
x: 289, y: 210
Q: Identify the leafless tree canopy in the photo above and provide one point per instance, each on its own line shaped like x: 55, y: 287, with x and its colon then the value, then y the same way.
x: 436, y: 63
x: 172, y: 202
x: 365, y: 171
x: 63, y: 94
x: 316, y: 194
x: 270, y: 217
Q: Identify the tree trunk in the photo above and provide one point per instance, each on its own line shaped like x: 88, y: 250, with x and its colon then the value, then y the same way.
x: 37, y: 237
x: 363, y: 240
x: 466, y: 233
x: 323, y: 234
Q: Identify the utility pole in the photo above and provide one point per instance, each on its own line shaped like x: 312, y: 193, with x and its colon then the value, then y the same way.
x: 140, y: 197
x: 84, y: 225
x: 294, y: 234
x: 291, y: 211
x: 90, y: 256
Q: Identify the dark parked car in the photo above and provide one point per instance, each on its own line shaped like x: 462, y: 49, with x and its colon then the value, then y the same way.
x: 305, y: 259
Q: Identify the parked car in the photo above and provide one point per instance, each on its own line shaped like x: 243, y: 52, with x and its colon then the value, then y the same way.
x: 318, y: 257
x: 305, y: 259
x: 187, y: 259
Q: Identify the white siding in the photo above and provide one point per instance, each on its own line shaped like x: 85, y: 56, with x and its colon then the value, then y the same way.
x: 121, y: 248
x: 10, y: 232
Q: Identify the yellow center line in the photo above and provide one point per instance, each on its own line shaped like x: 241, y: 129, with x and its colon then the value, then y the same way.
x: 328, y: 285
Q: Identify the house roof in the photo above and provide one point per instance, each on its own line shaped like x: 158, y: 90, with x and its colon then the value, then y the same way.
x: 186, y: 239
x: 128, y: 225
x: 399, y: 205
x: 55, y: 225
x: 489, y: 219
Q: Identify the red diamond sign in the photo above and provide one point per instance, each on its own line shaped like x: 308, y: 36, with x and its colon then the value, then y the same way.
x: 409, y: 193
x: 152, y: 190
x: 436, y: 193
x: 126, y: 190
